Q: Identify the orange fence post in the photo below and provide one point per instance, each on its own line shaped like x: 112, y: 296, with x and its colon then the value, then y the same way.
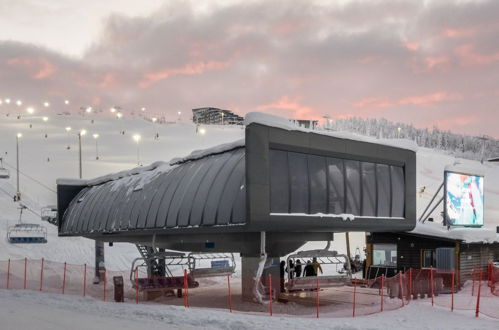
x: 270, y: 294
x: 431, y: 286
x: 8, y: 273
x: 105, y: 280
x: 84, y: 280
x: 317, y: 298
x: 64, y: 279
x: 354, y: 293
x: 452, y: 304
x: 230, y: 296
x: 186, y: 290
x: 25, y: 270
x: 136, y: 285
x: 41, y: 276
x: 477, y: 312
x: 382, y: 290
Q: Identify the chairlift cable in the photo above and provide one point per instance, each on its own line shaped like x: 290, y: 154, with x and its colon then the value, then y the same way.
x: 31, y: 178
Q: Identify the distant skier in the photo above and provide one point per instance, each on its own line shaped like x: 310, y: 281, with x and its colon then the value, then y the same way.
x: 290, y: 269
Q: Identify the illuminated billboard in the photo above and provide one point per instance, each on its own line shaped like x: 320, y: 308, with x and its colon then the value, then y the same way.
x: 463, y: 199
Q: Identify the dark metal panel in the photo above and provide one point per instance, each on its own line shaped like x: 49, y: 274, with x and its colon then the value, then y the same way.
x: 298, y: 172
x: 70, y: 223
x: 353, y: 187
x: 239, y: 206
x: 398, y: 189
x: 279, y: 181
x: 383, y: 190
x: 336, y: 198
x: 180, y: 192
x: 368, y: 189
x: 147, y: 193
x: 231, y: 189
x: 177, y: 176
x: 165, y: 180
x: 190, y: 194
x: 216, y: 190
x: 197, y: 213
x: 318, y: 184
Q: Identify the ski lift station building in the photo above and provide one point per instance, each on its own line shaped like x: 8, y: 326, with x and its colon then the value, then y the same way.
x: 268, y: 194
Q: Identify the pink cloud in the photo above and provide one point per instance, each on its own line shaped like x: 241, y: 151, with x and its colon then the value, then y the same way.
x: 456, y: 33
x: 414, y: 46
x: 429, y: 99
x: 39, y: 68
x: 469, y: 57
x: 372, y: 102
x: 188, y: 69
x: 285, y: 106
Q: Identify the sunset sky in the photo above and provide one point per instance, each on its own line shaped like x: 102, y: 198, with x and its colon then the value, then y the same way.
x: 430, y: 63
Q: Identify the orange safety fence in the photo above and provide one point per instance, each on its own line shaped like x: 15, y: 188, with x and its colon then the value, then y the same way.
x: 314, y: 297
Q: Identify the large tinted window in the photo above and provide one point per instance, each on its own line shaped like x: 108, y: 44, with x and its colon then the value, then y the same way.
x: 311, y: 184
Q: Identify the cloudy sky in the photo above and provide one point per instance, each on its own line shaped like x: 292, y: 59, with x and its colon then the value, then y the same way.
x: 430, y: 63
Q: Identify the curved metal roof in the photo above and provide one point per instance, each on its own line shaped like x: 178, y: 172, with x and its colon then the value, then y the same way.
x: 204, y: 192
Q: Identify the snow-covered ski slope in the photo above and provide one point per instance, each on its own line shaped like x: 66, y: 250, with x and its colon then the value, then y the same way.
x: 43, y: 160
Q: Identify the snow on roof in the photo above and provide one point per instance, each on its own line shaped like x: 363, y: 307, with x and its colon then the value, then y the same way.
x: 283, y: 123
x: 465, y: 234
x: 159, y: 167
x: 477, y: 169
x: 197, y: 154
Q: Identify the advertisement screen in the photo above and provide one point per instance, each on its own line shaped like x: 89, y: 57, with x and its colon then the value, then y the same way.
x: 463, y: 199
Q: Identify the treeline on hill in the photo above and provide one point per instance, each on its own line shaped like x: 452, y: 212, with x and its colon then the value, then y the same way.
x: 459, y: 145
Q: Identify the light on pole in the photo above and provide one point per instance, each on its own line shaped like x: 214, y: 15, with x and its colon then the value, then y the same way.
x: 80, y: 134
x: 222, y: 117
x: 399, y: 129
x: 18, y: 193
x: 68, y: 129
x: 66, y: 102
x: 45, y: 119
x: 96, y: 136
x: 31, y: 111
x: 136, y: 138
x: 202, y: 131
x: 179, y: 115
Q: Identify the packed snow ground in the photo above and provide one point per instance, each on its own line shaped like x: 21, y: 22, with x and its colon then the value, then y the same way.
x: 43, y: 311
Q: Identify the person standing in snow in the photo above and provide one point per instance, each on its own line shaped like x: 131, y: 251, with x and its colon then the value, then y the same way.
x: 290, y: 269
x: 309, y: 269
x: 298, y: 268
x: 317, y: 266
x: 282, y: 271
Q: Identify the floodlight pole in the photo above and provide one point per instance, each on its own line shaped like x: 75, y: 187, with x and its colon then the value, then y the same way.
x: 79, y: 155
x: 18, y: 193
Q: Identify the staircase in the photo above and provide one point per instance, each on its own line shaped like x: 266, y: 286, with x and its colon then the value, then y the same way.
x: 147, y: 252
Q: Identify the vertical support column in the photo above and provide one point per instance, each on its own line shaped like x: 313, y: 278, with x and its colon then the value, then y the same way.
x: 99, y: 260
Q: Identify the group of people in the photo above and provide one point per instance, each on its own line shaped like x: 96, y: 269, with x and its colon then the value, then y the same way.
x: 310, y: 268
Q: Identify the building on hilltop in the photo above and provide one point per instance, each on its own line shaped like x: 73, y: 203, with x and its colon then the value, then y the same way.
x: 215, y: 116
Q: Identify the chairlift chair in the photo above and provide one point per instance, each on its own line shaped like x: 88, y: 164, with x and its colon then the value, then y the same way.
x: 27, y: 233
x: 220, y: 264
x: 49, y: 214
x: 324, y: 257
x: 4, y: 173
x: 166, y: 282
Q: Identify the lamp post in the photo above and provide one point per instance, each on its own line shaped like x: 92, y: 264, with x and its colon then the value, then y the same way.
x: 80, y: 134
x: 31, y: 111
x: 398, y: 134
x: 45, y: 119
x: 18, y: 193
x: 96, y: 136
x: 222, y: 117
x: 68, y: 129
x: 179, y: 115
x: 137, y: 138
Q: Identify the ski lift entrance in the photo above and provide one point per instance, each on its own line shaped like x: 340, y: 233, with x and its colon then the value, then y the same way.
x: 49, y: 214
x: 26, y: 233
x: 211, y: 264
x: 4, y: 173
x: 342, y: 277
x: 160, y: 268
